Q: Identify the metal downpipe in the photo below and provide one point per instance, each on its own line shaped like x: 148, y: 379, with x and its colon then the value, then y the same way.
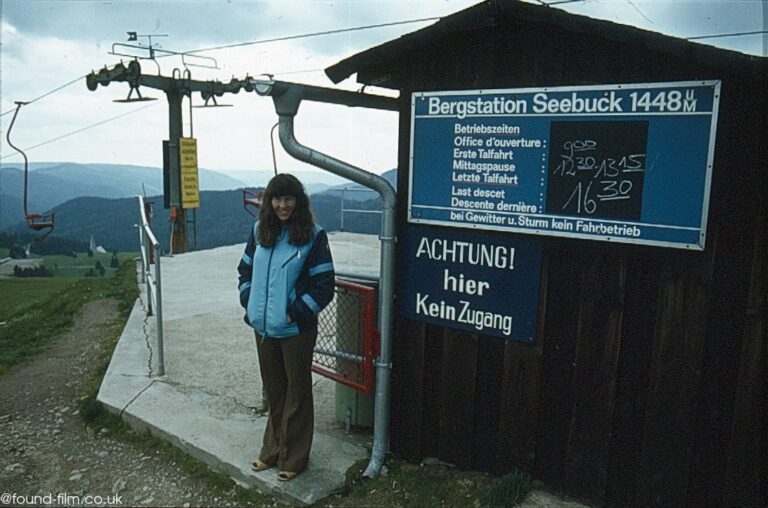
x: 386, y: 286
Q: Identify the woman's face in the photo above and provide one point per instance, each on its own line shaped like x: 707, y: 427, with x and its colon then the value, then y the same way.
x: 283, y: 206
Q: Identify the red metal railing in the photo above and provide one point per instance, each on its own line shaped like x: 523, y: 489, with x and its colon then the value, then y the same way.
x: 347, y: 339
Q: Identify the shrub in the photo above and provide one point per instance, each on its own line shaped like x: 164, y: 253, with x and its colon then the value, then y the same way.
x: 38, y: 271
x: 507, y: 491
x: 17, y: 252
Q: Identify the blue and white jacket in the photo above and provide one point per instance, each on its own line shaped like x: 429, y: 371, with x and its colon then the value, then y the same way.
x: 284, y: 287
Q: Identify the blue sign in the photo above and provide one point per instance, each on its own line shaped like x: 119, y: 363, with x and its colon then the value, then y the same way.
x: 621, y: 163
x: 466, y: 280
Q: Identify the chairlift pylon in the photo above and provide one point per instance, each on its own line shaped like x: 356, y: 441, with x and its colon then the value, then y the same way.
x: 35, y: 221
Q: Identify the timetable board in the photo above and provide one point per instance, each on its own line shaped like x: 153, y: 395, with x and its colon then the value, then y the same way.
x: 627, y: 163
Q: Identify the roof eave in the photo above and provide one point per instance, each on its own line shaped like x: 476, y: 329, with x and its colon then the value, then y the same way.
x: 486, y: 14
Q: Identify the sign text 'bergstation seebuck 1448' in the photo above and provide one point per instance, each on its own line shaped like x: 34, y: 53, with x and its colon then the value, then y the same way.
x: 621, y: 163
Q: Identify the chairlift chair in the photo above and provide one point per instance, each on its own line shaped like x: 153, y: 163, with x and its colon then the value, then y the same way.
x: 35, y: 221
x: 252, y: 199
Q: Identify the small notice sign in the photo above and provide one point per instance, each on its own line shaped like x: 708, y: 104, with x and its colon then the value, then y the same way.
x: 190, y: 185
x: 472, y: 281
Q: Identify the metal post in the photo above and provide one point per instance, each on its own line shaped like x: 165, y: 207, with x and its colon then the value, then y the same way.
x: 159, y: 317
x: 148, y: 213
x: 145, y: 268
x: 180, y: 242
x: 141, y: 252
x: 386, y: 289
x: 194, y: 228
x: 343, y: 190
x: 147, y: 238
x: 144, y: 249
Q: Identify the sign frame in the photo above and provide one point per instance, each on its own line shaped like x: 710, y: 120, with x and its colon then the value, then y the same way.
x: 695, y: 233
x: 189, y: 173
x: 463, y: 280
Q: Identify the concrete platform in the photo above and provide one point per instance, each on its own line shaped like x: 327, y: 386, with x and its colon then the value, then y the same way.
x: 206, y: 403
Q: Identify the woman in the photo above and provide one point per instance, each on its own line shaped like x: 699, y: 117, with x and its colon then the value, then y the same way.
x: 286, y: 279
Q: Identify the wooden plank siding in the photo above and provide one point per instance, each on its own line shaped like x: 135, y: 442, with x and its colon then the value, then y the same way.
x: 594, y: 374
x: 746, y: 455
x: 558, y: 360
x: 675, y: 371
x: 632, y: 374
x: 646, y: 382
x: 490, y: 371
x: 456, y: 416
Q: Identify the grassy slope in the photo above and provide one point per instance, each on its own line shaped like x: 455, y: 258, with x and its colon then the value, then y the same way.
x: 36, y: 311
x: 18, y: 294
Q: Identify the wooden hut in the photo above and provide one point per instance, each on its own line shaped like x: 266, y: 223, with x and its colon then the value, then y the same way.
x: 644, y: 384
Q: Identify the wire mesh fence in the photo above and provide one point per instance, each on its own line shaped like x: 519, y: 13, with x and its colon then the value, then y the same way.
x: 347, y: 340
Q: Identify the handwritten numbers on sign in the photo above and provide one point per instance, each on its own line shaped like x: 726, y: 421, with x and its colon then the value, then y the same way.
x: 596, y: 169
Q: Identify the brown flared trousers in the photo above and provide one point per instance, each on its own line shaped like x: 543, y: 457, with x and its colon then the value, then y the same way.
x: 287, y: 378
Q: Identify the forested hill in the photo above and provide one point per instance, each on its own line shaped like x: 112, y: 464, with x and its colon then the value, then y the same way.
x: 52, y: 184
x: 221, y: 220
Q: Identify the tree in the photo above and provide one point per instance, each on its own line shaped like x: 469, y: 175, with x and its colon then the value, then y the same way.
x: 7, y: 240
x: 115, y: 263
x: 38, y: 271
x: 17, y: 252
x: 99, y: 269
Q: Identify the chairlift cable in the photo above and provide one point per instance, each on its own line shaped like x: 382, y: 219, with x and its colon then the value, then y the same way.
x: 558, y: 2
x: 48, y: 93
x: 305, y: 71
x: 312, y: 34
x: 83, y: 129
x: 637, y: 9
x: 735, y: 34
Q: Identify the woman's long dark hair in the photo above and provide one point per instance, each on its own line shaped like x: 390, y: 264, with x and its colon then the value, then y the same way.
x: 301, y: 222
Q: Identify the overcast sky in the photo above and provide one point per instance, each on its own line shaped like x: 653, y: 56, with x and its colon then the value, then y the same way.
x: 46, y: 44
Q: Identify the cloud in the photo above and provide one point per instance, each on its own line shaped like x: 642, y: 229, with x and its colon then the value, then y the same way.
x: 46, y: 44
x: 45, y: 52
x: 195, y: 24
x: 684, y: 18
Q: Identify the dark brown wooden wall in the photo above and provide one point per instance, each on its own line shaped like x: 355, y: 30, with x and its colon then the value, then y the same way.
x: 646, y: 382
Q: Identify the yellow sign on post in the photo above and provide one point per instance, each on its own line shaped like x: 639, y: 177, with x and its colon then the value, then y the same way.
x: 190, y: 185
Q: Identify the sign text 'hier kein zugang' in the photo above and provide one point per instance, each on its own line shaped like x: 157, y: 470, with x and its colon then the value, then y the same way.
x: 467, y: 281
x: 623, y: 163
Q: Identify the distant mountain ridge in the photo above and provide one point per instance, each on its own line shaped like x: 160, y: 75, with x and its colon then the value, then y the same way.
x: 221, y: 219
x: 52, y: 184
x: 356, y: 192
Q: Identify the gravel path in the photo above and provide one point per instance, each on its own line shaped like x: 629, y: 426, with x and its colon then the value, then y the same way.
x: 47, y: 450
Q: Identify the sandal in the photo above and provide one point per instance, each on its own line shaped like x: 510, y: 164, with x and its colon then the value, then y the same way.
x: 286, y: 476
x: 258, y: 465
